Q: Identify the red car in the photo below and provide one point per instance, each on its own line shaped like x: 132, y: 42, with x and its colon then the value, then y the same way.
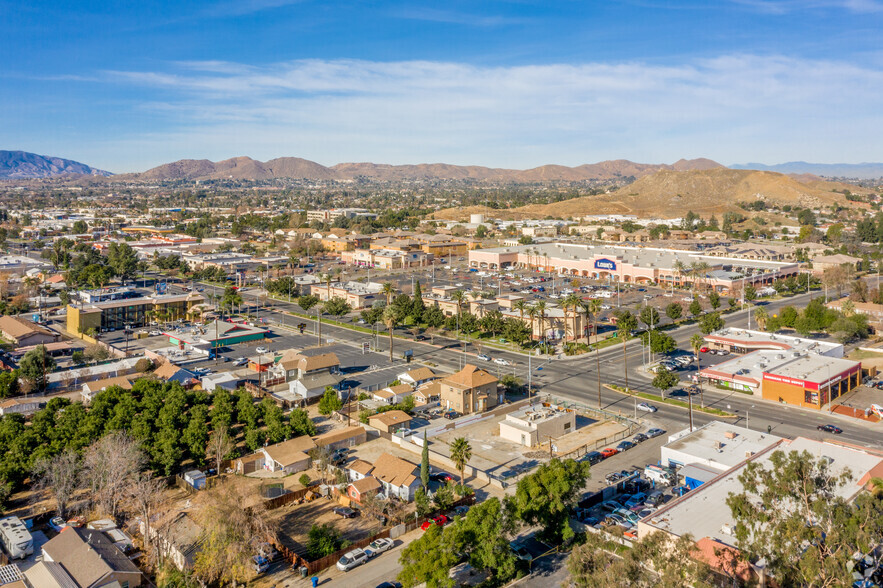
x: 440, y: 520
x: 609, y: 452
x: 703, y: 350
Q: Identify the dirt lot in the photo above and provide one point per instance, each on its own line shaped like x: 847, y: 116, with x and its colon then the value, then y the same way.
x: 294, y: 522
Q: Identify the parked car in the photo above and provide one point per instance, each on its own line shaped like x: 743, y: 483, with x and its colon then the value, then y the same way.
x: 615, y: 519
x: 452, y: 414
x: 352, y: 559
x: 483, y: 357
x: 440, y: 520
x: 240, y: 361
x: 627, y: 515
x: 830, y: 429
x: 610, y: 506
x: 655, y: 432
x: 624, y: 445
x: 636, y: 500
x: 261, y: 350
x: 441, y: 477
x: 345, y: 512
x: 647, y: 407
x: 57, y: 524
x: 612, y: 477
x: 703, y: 350
x: 378, y: 546
x: 639, y: 438
x: 645, y: 512
x: 460, y: 511
x: 608, y: 452
x: 592, y: 457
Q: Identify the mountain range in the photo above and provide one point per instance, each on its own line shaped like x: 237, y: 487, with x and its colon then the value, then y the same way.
x: 246, y: 168
x: 21, y: 165
x: 864, y: 171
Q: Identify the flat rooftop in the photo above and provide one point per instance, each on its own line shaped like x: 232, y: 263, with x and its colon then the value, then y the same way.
x: 703, y: 512
x: 760, y: 340
x: 720, y: 445
x: 807, y: 366
x: 638, y: 256
x: 534, y: 415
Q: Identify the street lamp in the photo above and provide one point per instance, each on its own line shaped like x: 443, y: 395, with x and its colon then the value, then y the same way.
x: 747, y: 411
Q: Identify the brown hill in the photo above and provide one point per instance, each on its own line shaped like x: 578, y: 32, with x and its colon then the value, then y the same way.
x: 669, y: 194
x: 246, y: 168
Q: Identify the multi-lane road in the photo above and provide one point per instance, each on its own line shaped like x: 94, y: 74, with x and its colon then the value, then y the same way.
x: 576, y: 378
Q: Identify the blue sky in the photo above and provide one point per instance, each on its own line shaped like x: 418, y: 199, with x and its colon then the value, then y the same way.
x: 125, y: 86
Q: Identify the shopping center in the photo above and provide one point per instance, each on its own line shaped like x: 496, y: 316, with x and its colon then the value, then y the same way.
x: 639, y: 265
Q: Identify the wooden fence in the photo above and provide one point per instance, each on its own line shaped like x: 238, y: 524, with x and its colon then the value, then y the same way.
x: 287, y: 498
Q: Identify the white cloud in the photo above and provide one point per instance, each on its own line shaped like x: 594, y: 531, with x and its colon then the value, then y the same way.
x: 732, y: 108
x: 788, y: 6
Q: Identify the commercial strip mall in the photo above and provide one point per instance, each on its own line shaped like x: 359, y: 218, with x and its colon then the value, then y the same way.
x: 791, y: 370
x: 638, y: 265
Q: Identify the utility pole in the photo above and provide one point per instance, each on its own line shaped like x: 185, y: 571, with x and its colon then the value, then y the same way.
x: 598, y: 369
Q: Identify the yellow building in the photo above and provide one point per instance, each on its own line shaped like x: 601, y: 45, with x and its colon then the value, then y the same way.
x: 132, y: 312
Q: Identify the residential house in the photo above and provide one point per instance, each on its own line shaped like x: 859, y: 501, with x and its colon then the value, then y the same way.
x: 91, y: 559
x: 309, y: 375
x: 90, y: 389
x: 178, y: 540
x: 397, y: 476
x: 393, y: 394
x: 470, y: 390
x: 358, y: 469
x: 289, y: 456
x: 428, y: 392
x: 20, y: 332
x: 25, y: 406
x: 417, y: 377
x: 360, y: 489
x: 390, y: 421
x: 341, y: 438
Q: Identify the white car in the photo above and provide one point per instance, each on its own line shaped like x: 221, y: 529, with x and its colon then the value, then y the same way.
x: 240, y: 361
x: 483, y: 357
x: 155, y: 333
x: 647, y: 407
x: 501, y: 361
x: 351, y: 559
x: 262, y: 350
x: 377, y: 547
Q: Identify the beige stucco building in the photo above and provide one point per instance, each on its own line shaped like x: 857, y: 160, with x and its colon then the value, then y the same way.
x: 535, y: 425
x: 470, y: 390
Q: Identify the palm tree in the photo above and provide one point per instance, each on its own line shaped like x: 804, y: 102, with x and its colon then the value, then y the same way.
x: 327, y: 278
x: 679, y: 268
x: 461, y: 453
x: 388, y: 290
x: 390, y: 319
x: 573, y: 303
x: 697, y: 341
x: 539, y: 309
x: 458, y: 296
x: 520, y: 306
x: 625, y: 324
x: 762, y: 316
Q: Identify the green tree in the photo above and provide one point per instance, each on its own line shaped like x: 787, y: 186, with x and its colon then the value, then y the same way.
x: 433, y: 317
x: 714, y: 299
x: 123, y: 260
x: 659, y: 342
x: 307, y: 302
x: 773, y: 513
x: 330, y: 401
x: 695, y: 307
x: 323, y: 540
x: 428, y: 560
x: 196, y: 434
x: 337, y: 307
x: 710, y: 323
x: 750, y: 293
x: 9, y: 383
x: 649, y: 316
x: 390, y: 319
x: 546, y: 497
x: 34, y: 367
x: 79, y: 227
x: 788, y: 316
x: 231, y: 298
x: 674, y: 311
x: 665, y: 380
x: 424, y: 462
x: 461, y: 453
x: 483, y: 536
x: 417, y: 306
x: 444, y: 497
x: 300, y: 422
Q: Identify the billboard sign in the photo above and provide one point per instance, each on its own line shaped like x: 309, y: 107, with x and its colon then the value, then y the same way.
x: 605, y: 264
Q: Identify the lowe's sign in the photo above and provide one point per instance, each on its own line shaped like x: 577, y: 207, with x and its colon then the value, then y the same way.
x: 605, y: 264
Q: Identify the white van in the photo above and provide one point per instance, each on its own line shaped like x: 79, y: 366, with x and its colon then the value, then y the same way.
x: 659, y: 474
x: 351, y: 559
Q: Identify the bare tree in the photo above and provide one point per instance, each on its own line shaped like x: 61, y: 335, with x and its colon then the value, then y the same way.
x: 234, y: 520
x: 219, y: 445
x: 321, y: 457
x: 145, y: 497
x: 58, y: 476
x: 109, y: 466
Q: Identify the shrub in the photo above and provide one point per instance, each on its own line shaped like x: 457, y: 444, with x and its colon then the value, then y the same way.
x: 304, y: 480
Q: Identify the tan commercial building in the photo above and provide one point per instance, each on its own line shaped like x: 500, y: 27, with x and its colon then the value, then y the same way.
x: 470, y: 390
x: 357, y: 294
x: 535, y: 425
x: 132, y: 312
x: 22, y: 333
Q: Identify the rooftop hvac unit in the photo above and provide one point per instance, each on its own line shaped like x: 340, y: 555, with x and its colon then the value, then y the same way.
x: 749, y: 453
x: 796, y: 354
x: 730, y: 434
x: 780, y: 356
x: 726, y: 529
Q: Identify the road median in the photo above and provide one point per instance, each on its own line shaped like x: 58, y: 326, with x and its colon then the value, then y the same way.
x: 671, y: 402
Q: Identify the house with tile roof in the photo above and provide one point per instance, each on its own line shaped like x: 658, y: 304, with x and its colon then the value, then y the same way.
x: 417, y: 376
x: 393, y: 394
x: 470, y: 390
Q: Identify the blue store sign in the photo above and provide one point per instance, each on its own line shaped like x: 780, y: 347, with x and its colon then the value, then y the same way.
x: 605, y: 264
